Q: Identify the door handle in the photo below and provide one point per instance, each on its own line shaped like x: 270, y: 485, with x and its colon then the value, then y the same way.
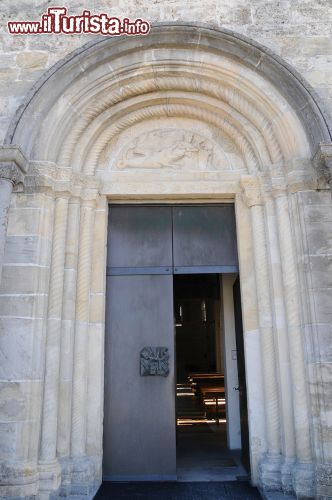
x: 236, y: 388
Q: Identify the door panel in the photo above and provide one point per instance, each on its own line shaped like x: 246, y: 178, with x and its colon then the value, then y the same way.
x: 242, y: 375
x: 139, y: 420
x: 140, y: 237
x: 204, y: 239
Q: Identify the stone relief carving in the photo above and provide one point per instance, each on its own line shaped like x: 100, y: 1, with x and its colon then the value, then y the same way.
x: 168, y: 148
x: 322, y: 161
x: 251, y: 190
x: 10, y: 171
x: 154, y: 361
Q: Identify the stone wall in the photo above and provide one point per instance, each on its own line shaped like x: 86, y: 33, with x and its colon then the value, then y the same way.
x: 315, y: 223
x: 297, y: 30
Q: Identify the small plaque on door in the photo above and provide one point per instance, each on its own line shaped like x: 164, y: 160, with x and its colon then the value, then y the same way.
x: 154, y: 361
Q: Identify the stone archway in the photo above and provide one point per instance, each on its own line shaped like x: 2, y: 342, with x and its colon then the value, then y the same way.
x: 236, y: 124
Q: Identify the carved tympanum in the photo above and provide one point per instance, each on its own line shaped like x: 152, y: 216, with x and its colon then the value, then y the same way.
x: 167, y: 148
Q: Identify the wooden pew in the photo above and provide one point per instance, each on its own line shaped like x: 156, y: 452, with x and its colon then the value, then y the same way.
x: 210, y: 388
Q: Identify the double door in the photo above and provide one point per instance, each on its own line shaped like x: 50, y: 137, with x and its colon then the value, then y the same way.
x: 146, y: 246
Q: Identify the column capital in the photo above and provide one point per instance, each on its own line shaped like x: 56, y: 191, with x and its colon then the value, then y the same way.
x: 251, y: 190
x: 302, y: 180
x: 13, y: 164
x: 278, y: 186
x: 322, y: 161
x: 48, y: 177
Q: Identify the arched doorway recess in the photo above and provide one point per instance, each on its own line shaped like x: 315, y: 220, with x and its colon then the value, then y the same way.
x: 239, y: 126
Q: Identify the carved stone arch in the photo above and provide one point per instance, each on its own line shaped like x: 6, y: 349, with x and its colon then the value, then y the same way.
x: 230, y: 92
x: 233, y: 46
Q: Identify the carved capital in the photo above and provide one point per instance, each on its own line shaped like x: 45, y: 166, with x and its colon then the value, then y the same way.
x: 86, y: 186
x: 10, y: 172
x: 89, y: 202
x: 323, y: 162
x: 302, y: 180
x: 278, y: 186
x: 13, y: 164
x: 251, y: 190
x: 61, y: 182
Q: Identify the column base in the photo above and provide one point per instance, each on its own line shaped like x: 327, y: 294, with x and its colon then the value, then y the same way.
x: 270, y: 475
x: 304, y: 480
x: 287, y: 476
x: 80, y: 477
x: 324, y: 481
x: 19, y: 479
x: 49, y: 479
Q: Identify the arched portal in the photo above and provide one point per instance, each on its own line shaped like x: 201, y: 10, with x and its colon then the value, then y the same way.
x: 185, y: 113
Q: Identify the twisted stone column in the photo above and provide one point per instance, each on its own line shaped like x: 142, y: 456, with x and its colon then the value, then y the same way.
x: 49, y: 467
x: 303, y: 473
x: 13, y: 167
x: 270, y: 466
x: 79, y: 401
x: 67, y: 339
x: 282, y: 351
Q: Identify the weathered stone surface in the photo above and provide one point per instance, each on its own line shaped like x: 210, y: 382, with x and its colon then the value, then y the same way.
x: 32, y: 60
x: 324, y: 480
x: 319, y: 238
x: 19, y: 360
x: 299, y: 31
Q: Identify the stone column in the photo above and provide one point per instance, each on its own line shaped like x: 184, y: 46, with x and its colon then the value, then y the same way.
x: 270, y: 465
x: 303, y: 471
x: 95, y: 410
x: 67, y: 340
x: 251, y: 338
x: 48, y: 464
x: 81, y: 467
x: 282, y: 349
x: 13, y: 167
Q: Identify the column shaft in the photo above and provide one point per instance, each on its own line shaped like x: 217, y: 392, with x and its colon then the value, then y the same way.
x: 52, y: 363
x: 266, y: 329
x: 291, y: 294
x: 282, y: 351
x: 79, y: 410
x: 68, y: 327
x: 6, y: 188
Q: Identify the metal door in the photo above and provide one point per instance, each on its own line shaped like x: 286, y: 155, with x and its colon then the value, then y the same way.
x: 146, y: 245
x: 204, y: 239
x: 139, y: 418
x: 245, y: 455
